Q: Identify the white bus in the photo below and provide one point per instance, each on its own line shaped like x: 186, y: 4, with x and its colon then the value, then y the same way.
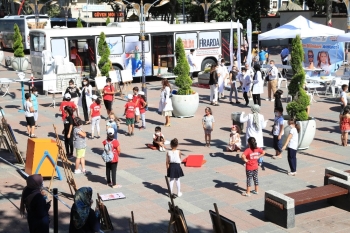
x: 79, y: 46
x: 25, y: 23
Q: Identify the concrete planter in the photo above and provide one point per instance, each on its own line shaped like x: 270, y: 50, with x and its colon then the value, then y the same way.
x: 306, y: 134
x: 203, y: 78
x: 20, y: 63
x: 185, y: 105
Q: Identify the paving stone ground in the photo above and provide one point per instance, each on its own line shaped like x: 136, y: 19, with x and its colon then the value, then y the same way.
x: 221, y: 180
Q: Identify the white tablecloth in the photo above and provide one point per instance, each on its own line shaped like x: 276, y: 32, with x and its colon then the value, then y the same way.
x: 322, y: 79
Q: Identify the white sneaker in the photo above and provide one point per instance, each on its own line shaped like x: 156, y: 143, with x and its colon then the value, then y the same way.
x: 267, y: 99
x: 179, y: 194
x: 77, y: 171
x: 272, y: 100
x: 163, y: 149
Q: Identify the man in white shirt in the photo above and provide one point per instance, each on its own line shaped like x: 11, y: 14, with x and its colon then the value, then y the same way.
x: 272, y: 83
x: 190, y: 60
x: 222, y: 78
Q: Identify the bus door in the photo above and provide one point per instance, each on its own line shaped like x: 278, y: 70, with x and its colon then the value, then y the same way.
x: 163, y: 54
x: 82, y: 55
x: 37, y: 46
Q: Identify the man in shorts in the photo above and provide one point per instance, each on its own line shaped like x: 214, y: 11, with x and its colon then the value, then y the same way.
x: 29, y: 113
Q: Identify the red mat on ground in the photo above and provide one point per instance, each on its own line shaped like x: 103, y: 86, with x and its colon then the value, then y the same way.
x: 194, y: 161
x: 151, y: 146
x: 205, y: 86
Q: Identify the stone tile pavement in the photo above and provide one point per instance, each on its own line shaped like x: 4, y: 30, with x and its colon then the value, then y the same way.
x: 221, y: 180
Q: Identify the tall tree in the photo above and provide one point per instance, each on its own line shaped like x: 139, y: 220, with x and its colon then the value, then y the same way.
x: 115, y: 7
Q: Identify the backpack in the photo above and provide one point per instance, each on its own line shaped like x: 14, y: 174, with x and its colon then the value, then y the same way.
x: 107, y: 154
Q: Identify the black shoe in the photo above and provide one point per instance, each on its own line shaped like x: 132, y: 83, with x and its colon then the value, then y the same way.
x: 237, y: 102
x: 231, y: 102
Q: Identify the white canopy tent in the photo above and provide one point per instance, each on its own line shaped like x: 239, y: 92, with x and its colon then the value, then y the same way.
x: 300, y: 26
x: 344, y: 38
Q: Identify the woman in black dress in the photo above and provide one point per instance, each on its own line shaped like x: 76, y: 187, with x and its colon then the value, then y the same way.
x: 83, y: 219
x: 74, y: 92
x: 34, y: 203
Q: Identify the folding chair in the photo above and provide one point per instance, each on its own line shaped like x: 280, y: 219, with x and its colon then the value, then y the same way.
x: 280, y: 79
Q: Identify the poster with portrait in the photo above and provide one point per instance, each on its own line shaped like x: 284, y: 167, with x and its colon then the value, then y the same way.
x: 132, y: 57
x: 323, y: 53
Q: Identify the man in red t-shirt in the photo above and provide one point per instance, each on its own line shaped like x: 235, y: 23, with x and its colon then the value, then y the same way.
x: 250, y: 156
x: 66, y: 102
x: 108, y: 95
x: 130, y: 115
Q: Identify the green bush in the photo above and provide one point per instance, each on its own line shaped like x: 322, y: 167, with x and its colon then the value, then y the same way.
x: 297, y: 108
x: 17, y: 45
x: 182, y: 70
x: 79, y: 24
x: 103, y: 50
x: 108, y: 20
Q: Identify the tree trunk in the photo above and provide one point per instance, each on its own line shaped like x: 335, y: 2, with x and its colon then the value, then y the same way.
x: 233, y: 10
x: 173, y: 8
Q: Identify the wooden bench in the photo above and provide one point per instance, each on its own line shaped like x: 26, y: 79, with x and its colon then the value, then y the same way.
x: 280, y: 208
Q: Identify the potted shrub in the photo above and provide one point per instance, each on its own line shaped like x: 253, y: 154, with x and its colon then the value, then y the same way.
x: 203, y: 76
x: 297, y: 109
x: 185, y: 101
x: 104, y: 64
x: 79, y: 23
x: 19, y: 62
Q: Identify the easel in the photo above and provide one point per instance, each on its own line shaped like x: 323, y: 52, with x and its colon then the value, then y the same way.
x: 132, y: 224
x: 218, y: 220
x: 66, y: 166
x: 8, y: 140
x: 177, y: 220
x: 106, y: 223
x: 126, y: 87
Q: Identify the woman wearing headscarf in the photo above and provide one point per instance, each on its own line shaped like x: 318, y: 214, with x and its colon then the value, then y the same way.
x: 34, y: 203
x: 255, y: 124
x: 83, y: 219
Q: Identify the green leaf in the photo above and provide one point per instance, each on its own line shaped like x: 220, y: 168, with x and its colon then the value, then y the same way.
x: 18, y: 44
x: 182, y: 70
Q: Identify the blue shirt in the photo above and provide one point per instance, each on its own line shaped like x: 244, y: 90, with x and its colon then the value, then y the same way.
x: 34, y: 102
x: 284, y: 54
x: 262, y: 55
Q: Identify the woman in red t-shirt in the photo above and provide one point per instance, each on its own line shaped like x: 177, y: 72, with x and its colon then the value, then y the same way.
x: 250, y: 156
x: 111, y: 167
x: 95, y: 116
x: 108, y: 95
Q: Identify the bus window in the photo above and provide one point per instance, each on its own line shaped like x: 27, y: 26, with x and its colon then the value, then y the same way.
x: 132, y: 44
x: 37, y: 42
x: 189, y: 40
x: 115, y: 44
x: 58, y: 47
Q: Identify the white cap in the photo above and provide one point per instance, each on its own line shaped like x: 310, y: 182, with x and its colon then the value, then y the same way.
x: 67, y: 96
x: 110, y: 131
x: 94, y: 97
x: 130, y: 96
x: 141, y: 93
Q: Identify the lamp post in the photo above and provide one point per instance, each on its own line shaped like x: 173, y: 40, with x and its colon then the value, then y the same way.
x: 66, y: 9
x: 206, y: 5
x: 35, y: 7
x: 142, y: 10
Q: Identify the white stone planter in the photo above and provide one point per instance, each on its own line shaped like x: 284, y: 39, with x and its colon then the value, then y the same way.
x: 306, y: 134
x: 185, y: 105
x: 203, y: 78
x: 1, y: 56
x: 20, y: 63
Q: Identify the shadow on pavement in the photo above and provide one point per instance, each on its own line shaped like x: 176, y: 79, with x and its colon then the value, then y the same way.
x: 229, y: 185
x: 155, y: 187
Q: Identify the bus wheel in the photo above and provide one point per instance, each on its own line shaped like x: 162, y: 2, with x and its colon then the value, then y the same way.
x: 116, y: 67
x: 207, y: 63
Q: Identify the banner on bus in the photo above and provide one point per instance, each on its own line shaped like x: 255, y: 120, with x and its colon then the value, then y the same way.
x: 132, y: 56
x: 189, y: 40
x: 324, y: 52
x: 209, y: 40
